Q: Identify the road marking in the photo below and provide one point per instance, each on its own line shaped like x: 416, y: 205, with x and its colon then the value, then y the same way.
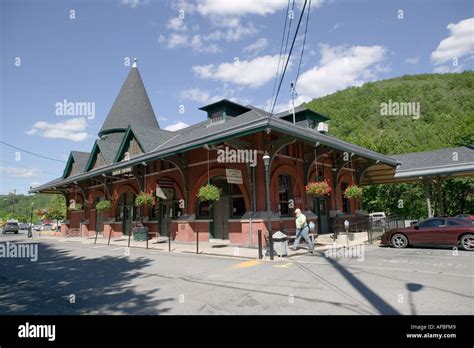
x: 286, y: 265
x: 100, y: 246
x: 245, y: 264
x: 117, y: 248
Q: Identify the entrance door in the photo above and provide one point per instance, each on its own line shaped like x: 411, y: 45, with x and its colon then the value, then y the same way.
x: 99, y: 221
x: 323, y: 214
x: 166, y: 211
x: 127, y: 220
x: 221, y: 218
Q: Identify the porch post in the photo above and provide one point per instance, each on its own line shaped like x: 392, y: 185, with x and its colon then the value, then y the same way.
x: 426, y: 191
x: 439, y: 191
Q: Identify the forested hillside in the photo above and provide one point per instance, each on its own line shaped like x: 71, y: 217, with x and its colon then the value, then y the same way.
x: 446, y: 119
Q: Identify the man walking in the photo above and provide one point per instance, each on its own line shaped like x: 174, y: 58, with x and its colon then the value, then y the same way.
x: 302, y: 230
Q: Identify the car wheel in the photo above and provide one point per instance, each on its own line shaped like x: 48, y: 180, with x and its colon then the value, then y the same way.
x: 467, y: 242
x: 3, y: 232
x: 399, y: 241
x: 16, y: 232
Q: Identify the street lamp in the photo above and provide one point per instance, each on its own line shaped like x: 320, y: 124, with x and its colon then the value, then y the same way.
x: 266, y: 162
x: 30, y: 230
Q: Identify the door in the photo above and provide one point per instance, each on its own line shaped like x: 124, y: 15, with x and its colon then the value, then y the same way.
x: 99, y: 221
x: 323, y: 215
x: 166, y: 217
x: 127, y: 220
x: 221, y: 218
x: 428, y: 231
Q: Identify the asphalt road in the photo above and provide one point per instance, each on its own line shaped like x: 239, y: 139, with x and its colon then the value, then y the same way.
x: 74, y: 278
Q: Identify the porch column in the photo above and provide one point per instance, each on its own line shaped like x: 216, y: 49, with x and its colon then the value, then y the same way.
x: 426, y: 191
x: 439, y: 191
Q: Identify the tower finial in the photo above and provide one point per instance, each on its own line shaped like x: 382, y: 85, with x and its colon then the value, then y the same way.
x: 134, y: 63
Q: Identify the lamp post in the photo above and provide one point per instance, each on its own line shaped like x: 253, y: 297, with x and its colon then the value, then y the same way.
x: 266, y: 162
x: 30, y: 230
x: 346, y: 226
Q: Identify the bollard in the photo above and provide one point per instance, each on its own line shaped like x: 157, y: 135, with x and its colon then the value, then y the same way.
x: 169, y: 240
x: 110, y: 235
x: 147, y: 239
x: 197, y: 242
x: 129, y: 236
x: 260, y: 253
x: 95, y: 240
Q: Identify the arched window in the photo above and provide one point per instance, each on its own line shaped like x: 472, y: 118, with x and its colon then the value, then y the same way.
x: 284, y: 194
x: 345, y: 201
x: 127, y: 200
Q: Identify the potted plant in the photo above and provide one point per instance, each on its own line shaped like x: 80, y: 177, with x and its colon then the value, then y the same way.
x: 353, y: 191
x: 209, y: 193
x: 103, y: 205
x: 318, y: 188
x: 75, y: 207
x: 140, y: 233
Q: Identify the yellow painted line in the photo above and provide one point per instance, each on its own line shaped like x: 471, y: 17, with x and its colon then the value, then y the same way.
x: 245, y: 264
x: 286, y: 265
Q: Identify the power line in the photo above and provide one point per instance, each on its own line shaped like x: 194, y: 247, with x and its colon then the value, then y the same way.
x: 31, y: 153
x: 304, y: 43
x: 281, y: 50
x: 289, y: 56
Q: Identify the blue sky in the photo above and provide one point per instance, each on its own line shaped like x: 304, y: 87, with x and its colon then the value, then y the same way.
x: 191, y: 53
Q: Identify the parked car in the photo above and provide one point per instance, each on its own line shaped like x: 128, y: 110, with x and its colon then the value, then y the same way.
x: 11, y: 227
x: 37, y: 227
x: 465, y: 217
x: 47, y: 227
x: 23, y: 226
x: 433, y: 231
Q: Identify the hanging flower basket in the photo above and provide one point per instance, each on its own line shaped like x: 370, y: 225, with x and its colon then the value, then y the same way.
x: 353, y: 191
x: 103, y: 205
x: 209, y: 193
x: 144, y: 199
x: 318, y: 188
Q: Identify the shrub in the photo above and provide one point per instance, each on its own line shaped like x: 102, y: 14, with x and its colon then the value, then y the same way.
x: 353, y: 191
x: 209, y: 193
x: 103, y: 205
x: 144, y: 199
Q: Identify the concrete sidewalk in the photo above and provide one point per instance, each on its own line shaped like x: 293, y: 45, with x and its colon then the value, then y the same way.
x: 215, y: 248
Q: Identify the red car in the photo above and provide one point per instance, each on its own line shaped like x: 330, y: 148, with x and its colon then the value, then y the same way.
x: 465, y: 216
x: 434, y: 231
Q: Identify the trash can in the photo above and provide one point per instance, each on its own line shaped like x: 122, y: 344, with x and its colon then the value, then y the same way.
x: 280, y: 243
x: 140, y: 234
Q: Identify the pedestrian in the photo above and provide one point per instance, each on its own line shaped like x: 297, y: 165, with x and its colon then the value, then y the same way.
x: 302, y: 230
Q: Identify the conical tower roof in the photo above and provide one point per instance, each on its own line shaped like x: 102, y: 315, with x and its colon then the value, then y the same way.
x: 131, y: 107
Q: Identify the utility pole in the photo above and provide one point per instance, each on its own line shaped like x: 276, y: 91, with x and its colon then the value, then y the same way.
x: 13, y: 203
x: 293, y: 94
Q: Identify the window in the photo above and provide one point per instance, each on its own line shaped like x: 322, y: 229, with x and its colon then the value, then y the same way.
x: 312, y: 124
x: 204, y: 210
x: 345, y: 201
x: 453, y: 223
x: 431, y: 223
x: 284, y: 194
x: 125, y: 205
x: 237, y: 202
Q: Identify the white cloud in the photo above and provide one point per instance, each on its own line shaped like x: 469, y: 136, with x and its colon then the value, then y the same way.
x: 341, y: 67
x: 20, y: 172
x: 35, y: 183
x: 176, y: 24
x: 459, y: 43
x: 240, y: 7
x: 183, y: 40
x: 176, y: 126
x: 413, y: 60
x: 335, y: 27
x: 250, y: 73
x: 234, y: 33
x: 199, y: 95
x: 131, y: 3
x: 444, y: 69
x: 257, y: 46
x: 72, y: 129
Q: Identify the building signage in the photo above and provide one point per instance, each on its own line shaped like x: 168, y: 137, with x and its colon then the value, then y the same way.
x: 164, y: 188
x: 122, y: 171
x: 234, y: 176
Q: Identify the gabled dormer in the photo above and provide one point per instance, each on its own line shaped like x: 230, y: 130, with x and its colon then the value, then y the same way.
x: 306, y: 118
x: 96, y: 159
x: 220, y: 111
x: 75, y: 163
x: 129, y: 148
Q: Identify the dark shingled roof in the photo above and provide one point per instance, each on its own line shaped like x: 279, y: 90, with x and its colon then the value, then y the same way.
x: 109, y: 145
x: 435, y: 162
x: 80, y: 158
x: 131, y: 107
x: 150, y: 138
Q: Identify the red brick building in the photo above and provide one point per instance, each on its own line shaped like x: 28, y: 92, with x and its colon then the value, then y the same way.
x: 133, y: 154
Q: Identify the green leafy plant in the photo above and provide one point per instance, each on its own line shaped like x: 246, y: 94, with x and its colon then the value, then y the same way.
x: 318, y: 188
x: 76, y: 207
x: 144, y: 199
x: 103, y: 205
x: 209, y: 193
x: 353, y: 191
